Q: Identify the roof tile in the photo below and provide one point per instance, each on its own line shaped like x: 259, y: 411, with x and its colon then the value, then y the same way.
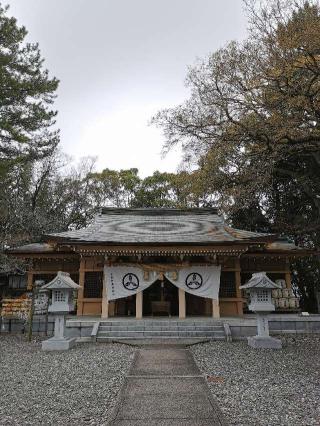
x: 158, y: 226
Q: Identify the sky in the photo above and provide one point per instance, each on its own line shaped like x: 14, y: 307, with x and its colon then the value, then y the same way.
x: 121, y: 61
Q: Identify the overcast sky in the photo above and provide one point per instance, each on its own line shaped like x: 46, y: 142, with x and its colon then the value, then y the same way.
x: 119, y: 62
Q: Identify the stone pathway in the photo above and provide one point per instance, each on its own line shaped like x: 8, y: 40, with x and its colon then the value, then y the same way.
x: 165, y: 387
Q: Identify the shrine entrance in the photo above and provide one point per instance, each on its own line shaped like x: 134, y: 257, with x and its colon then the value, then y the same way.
x: 161, y: 299
x: 198, y: 306
x: 125, y: 307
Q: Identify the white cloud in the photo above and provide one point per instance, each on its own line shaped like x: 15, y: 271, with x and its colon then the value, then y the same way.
x: 122, y: 139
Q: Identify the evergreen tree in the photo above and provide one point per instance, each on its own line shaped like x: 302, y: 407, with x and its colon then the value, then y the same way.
x: 26, y: 97
x: 252, y: 126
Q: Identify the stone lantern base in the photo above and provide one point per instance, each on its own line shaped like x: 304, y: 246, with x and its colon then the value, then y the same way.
x: 264, y: 342
x: 55, y: 344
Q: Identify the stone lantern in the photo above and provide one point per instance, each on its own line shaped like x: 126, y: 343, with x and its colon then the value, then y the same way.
x: 62, y: 288
x: 260, y: 289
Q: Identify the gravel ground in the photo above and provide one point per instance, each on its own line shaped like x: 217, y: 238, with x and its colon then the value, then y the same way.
x: 264, y: 387
x: 77, y: 387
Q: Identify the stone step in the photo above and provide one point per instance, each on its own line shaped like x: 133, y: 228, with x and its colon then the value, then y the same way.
x: 160, y: 323
x: 159, y: 328
x: 220, y: 330
x: 159, y: 338
x: 152, y: 333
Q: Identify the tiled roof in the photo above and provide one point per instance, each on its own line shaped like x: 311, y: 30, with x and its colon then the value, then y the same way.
x: 282, y: 245
x: 260, y: 280
x: 33, y: 248
x: 61, y: 280
x: 158, y: 226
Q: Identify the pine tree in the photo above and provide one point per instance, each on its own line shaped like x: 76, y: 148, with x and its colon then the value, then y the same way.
x: 26, y: 97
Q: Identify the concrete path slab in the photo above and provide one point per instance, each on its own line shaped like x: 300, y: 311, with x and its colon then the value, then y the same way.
x: 169, y: 385
x: 167, y: 362
x: 166, y: 422
x: 165, y: 387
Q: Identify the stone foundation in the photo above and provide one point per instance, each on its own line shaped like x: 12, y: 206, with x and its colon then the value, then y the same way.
x: 54, y: 344
x: 258, y: 342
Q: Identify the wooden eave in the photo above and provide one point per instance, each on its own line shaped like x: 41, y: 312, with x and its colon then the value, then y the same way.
x: 281, y: 253
x: 161, y: 250
x: 39, y: 255
x: 68, y: 242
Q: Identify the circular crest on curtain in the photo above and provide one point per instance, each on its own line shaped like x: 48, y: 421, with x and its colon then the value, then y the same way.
x: 130, y: 281
x: 194, y: 281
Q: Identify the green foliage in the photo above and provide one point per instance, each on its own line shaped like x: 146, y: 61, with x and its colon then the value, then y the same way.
x: 165, y: 190
x: 251, y: 124
x: 115, y: 188
x: 305, y: 276
x: 42, y: 197
x: 125, y: 188
x: 26, y: 97
x: 28, y: 139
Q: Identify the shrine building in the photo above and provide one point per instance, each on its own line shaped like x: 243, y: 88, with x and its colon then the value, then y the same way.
x: 154, y: 262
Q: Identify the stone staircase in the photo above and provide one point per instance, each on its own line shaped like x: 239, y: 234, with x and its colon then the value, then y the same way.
x: 113, y: 329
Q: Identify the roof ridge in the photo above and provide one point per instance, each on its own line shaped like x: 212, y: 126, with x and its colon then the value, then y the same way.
x: 162, y: 211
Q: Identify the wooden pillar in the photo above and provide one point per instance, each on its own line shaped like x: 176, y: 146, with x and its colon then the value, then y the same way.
x: 105, y: 302
x: 81, y: 289
x: 112, y: 308
x: 139, y: 304
x: 238, y: 284
x: 208, y: 307
x: 287, y: 276
x: 215, y: 308
x: 30, y: 280
x: 182, y: 303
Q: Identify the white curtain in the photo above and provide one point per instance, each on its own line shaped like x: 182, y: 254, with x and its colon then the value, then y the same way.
x: 201, y: 281
x: 124, y: 281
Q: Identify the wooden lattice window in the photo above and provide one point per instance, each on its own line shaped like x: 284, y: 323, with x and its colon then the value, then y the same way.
x: 93, y: 282
x: 228, y: 284
x: 17, y: 281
